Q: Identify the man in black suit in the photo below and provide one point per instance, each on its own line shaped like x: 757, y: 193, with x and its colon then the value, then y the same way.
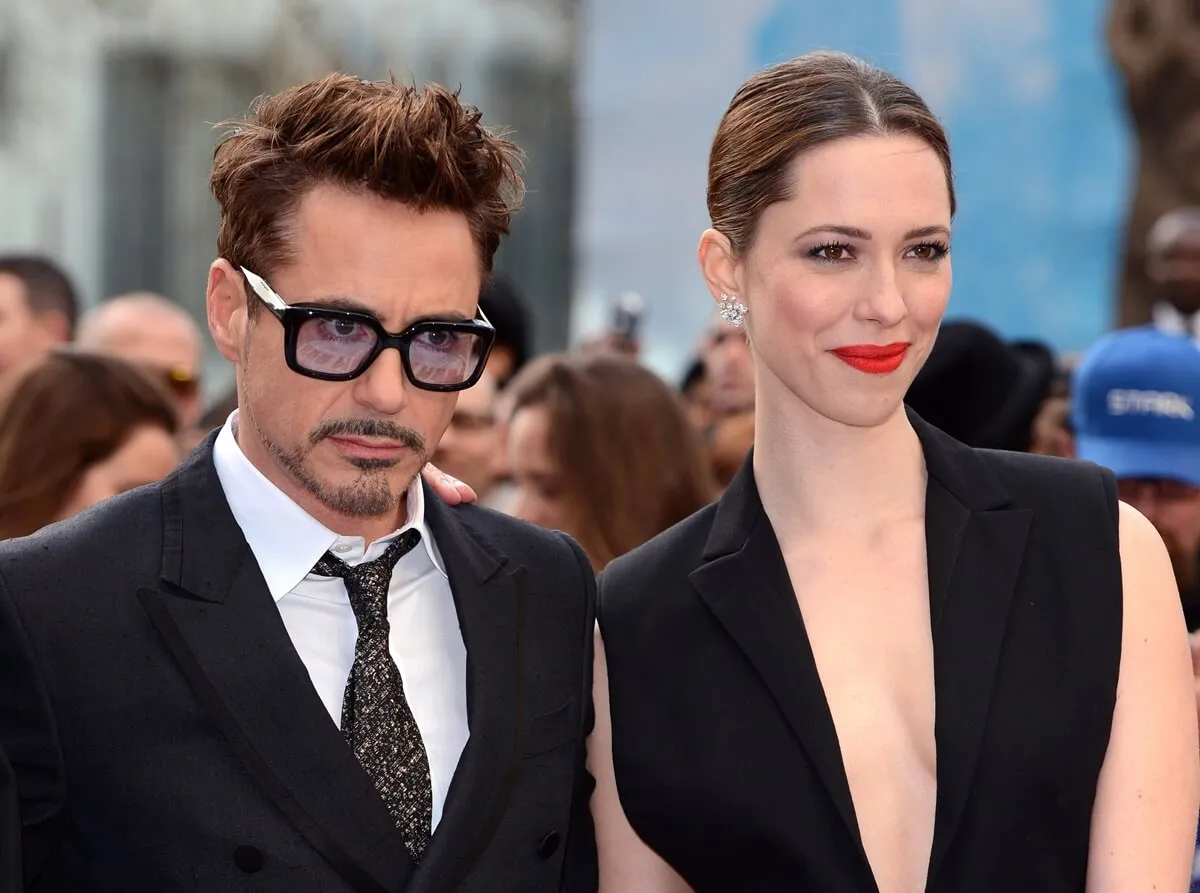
x: 289, y: 666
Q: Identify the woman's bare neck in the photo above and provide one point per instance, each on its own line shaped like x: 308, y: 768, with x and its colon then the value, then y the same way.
x: 820, y: 476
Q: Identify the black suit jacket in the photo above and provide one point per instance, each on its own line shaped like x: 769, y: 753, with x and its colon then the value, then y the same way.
x: 727, y: 760
x: 165, y: 735
x: 10, y: 830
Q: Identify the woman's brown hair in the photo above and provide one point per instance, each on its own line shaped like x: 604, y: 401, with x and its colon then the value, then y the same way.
x: 789, y: 108
x: 631, y: 462
x: 61, y: 415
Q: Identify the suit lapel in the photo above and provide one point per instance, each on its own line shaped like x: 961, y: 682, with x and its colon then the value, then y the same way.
x: 744, y: 581
x: 975, y: 543
x: 946, y: 521
x: 217, y: 617
x: 975, y: 546
x: 491, y: 600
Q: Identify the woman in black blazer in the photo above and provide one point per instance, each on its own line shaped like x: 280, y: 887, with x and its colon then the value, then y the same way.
x: 884, y: 660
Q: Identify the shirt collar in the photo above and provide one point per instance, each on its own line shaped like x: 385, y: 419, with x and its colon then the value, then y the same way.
x: 1167, y: 318
x: 286, y: 540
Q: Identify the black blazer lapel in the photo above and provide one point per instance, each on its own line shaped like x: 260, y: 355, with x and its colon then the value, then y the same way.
x: 744, y: 581
x: 490, y: 598
x: 217, y: 617
x: 975, y: 545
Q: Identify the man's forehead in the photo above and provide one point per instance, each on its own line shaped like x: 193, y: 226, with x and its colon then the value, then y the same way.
x: 137, y: 322
x: 1186, y: 245
x: 12, y: 289
x: 1178, y: 230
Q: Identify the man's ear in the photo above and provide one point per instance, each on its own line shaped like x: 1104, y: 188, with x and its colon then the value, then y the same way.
x: 228, y: 314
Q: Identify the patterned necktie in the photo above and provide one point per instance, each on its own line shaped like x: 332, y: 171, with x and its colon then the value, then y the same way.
x: 376, y: 719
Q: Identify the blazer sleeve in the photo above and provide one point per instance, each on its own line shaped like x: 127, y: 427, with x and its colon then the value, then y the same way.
x: 580, y: 866
x: 10, y: 830
x: 33, y: 797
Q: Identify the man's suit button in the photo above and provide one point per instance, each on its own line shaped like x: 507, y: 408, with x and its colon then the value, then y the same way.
x: 549, y: 845
x: 248, y: 858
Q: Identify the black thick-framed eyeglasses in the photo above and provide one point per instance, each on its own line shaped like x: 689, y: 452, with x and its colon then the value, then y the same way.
x: 339, y: 345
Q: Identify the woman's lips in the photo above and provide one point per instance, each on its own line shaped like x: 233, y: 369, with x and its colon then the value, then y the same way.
x: 873, y: 359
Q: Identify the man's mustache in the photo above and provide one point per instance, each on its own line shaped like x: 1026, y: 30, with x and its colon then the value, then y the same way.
x: 406, y: 437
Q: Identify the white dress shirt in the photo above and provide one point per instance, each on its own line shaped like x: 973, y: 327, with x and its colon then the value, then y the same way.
x: 426, y: 642
x: 1166, y: 318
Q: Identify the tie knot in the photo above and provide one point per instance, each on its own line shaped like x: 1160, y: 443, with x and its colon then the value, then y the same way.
x: 367, y: 583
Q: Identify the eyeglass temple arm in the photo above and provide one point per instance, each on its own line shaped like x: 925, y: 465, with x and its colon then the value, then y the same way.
x: 264, y: 291
x: 273, y: 300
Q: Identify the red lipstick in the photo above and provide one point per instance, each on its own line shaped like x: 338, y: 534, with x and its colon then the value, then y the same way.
x: 874, y: 359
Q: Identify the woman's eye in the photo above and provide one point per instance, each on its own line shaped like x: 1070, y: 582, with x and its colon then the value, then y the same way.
x: 929, y: 251
x: 832, y: 252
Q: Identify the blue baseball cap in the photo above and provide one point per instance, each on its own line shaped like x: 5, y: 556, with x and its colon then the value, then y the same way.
x: 1134, y: 401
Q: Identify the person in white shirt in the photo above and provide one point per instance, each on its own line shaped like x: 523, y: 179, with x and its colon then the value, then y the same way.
x: 291, y: 658
x: 1173, y: 265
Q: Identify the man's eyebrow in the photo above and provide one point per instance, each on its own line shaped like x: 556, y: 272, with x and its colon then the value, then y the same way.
x: 335, y: 302
x: 349, y: 305
x: 444, y: 316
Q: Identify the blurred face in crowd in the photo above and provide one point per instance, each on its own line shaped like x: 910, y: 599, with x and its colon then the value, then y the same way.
x: 1052, y: 435
x: 847, y: 279
x: 729, y: 369
x: 467, y: 450
x: 1173, y: 262
x: 501, y: 362
x: 166, y: 344
x: 1173, y: 507
x: 540, y: 496
x: 347, y: 449
x: 24, y: 335
x: 148, y: 455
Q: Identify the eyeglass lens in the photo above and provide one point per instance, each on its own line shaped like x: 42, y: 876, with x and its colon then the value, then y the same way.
x: 436, y: 356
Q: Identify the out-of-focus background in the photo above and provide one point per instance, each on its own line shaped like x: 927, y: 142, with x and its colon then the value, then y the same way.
x: 615, y: 402
x: 1075, y: 127
x: 106, y: 109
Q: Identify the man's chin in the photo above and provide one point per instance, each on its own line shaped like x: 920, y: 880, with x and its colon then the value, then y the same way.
x: 361, y: 498
x: 363, y: 487
x: 365, y: 464
x: 1184, y: 298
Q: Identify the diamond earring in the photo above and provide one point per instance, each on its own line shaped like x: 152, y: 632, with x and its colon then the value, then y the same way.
x: 733, y: 311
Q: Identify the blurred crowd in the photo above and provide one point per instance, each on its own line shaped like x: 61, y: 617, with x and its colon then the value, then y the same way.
x: 100, y: 398
x: 591, y: 441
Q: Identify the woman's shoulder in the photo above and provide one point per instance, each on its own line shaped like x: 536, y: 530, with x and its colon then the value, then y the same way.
x: 1051, y: 483
x: 658, y: 565
x: 678, y: 548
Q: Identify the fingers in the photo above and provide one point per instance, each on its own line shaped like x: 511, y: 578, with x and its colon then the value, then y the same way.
x: 451, y: 490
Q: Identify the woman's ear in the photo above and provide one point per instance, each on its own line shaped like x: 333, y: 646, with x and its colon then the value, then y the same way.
x: 718, y: 265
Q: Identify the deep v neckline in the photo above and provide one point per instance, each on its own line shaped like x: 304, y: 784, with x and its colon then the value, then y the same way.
x: 974, y: 546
